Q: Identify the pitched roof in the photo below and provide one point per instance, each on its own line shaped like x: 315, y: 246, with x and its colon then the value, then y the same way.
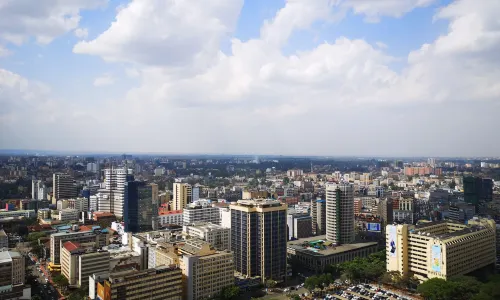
x: 71, y: 246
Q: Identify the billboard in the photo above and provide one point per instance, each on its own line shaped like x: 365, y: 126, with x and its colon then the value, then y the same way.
x: 373, y: 227
x: 392, y: 241
x: 436, y: 258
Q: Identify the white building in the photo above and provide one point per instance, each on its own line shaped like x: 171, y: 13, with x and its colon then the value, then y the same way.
x: 198, y: 212
x: 114, y: 180
x: 225, y: 217
x: 170, y: 217
x: 218, y: 236
x: 93, y: 167
x: 30, y: 213
x: 38, y: 190
x: 68, y: 214
x: 159, y: 171
x: 80, y: 204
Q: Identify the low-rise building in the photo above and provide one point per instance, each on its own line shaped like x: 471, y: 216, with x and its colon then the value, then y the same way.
x: 170, y: 217
x: 299, y: 226
x: 67, y: 214
x: 161, y: 283
x: 197, y: 212
x: 316, y: 253
x: 218, y: 236
x: 43, y: 214
x: 57, y: 239
x: 4, y: 240
x: 29, y: 213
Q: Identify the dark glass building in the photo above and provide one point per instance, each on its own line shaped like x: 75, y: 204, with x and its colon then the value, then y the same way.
x: 259, y: 237
x: 140, y: 211
x: 477, y: 189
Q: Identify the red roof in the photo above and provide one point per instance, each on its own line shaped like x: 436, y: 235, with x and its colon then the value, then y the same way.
x: 71, y: 246
x: 85, y: 228
x: 171, y: 212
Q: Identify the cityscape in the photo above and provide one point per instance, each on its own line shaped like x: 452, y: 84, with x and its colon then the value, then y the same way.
x: 249, y: 150
x: 240, y: 227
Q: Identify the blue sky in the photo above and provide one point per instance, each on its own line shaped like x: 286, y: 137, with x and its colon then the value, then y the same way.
x: 371, y: 60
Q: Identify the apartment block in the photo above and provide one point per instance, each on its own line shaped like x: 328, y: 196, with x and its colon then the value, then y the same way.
x: 197, y: 212
x: 440, y: 249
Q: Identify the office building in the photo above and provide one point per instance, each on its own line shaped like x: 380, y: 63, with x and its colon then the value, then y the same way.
x: 67, y: 214
x: 141, y: 206
x: 12, y: 266
x: 161, y: 283
x: 170, y: 217
x: 200, y: 212
x: 316, y: 254
x: 440, y: 249
x: 63, y: 187
x: 218, y: 236
x: 407, y: 211
x: 182, y: 195
x: 57, y: 239
x: 195, y: 193
x: 461, y: 212
x: 205, y: 271
x: 29, y: 213
x: 79, y: 204
x: 38, y: 190
x: 477, y: 190
x: 318, y: 216
x: 93, y: 167
x: 299, y: 226
x: 80, y: 260
x: 385, y: 211
x: 340, y: 213
x: 4, y: 240
x: 259, y: 237
x: 114, y: 180
x: 43, y: 214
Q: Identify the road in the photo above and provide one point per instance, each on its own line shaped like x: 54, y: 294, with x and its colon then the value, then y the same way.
x: 45, y: 288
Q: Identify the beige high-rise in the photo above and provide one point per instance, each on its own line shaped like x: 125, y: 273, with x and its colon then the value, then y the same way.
x: 340, y: 213
x: 182, y: 195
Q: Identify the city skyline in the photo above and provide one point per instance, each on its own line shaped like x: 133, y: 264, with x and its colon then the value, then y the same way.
x: 356, y: 78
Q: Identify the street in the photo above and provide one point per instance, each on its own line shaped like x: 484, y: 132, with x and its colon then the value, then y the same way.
x: 44, y: 288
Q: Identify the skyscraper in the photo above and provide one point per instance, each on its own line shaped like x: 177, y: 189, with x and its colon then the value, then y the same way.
x: 183, y: 193
x: 259, y: 237
x: 477, y: 189
x: 340, y: 213
x: 140, y: 206
x: 114, y: 180
x: 63, y: 187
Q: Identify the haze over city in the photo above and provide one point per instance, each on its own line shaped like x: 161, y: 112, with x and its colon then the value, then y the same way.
x: 298, y: 77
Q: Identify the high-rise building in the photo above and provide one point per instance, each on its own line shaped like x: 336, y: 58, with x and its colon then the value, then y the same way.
x: 93, y: 167
x: 182, y: 195
x: 114, y: 180
x: 385, y: 211
x: 340, y: 213
x: 205, y: 271
x: 63, y: 187
x: 440, y: 249
x: 477, y: 190
x: 259, y: 237
x: 318, y: 216
x: 160, y: 283
x: 140, y: 206
x: 38, y: 190
x: 299, y: 226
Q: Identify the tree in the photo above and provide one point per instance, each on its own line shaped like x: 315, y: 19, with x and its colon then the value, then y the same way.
x: 295, y: 297
x: 452, y: 184
x: 230, y: 292
x: 36, y: 297
x: 435, y: 289
x: 270, y: 283
x: 286, y: 180
x: 60, y: 281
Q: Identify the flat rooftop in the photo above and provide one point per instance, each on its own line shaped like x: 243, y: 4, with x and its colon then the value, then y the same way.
x: 324, y: 247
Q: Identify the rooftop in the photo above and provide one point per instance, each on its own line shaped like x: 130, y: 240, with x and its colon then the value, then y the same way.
x: 170, y: 212
x: 71, y: 246
x: 6, y: 256
x: 319, y: 246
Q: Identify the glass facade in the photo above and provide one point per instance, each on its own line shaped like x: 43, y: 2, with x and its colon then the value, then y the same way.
x: 139, y: 207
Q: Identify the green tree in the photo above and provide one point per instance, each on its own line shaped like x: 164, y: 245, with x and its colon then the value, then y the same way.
x: 230, y: 292
x: 286, y: 180
x: 295, y: 297
x: 36, y: 297
x: 60, y: 281
x: 271, y: 283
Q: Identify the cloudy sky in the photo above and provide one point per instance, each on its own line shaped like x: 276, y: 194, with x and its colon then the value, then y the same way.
x: 299, y: 77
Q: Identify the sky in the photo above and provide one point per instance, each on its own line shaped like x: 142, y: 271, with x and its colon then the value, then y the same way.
x: 295, y: 77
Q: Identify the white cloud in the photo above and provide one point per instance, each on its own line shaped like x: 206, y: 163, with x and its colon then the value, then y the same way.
x: 81, y: 33
x: 44, y: 20
x: 104, y: 80
x: 166, y: 33
x: 373, y: 10
x: 257, y: 99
